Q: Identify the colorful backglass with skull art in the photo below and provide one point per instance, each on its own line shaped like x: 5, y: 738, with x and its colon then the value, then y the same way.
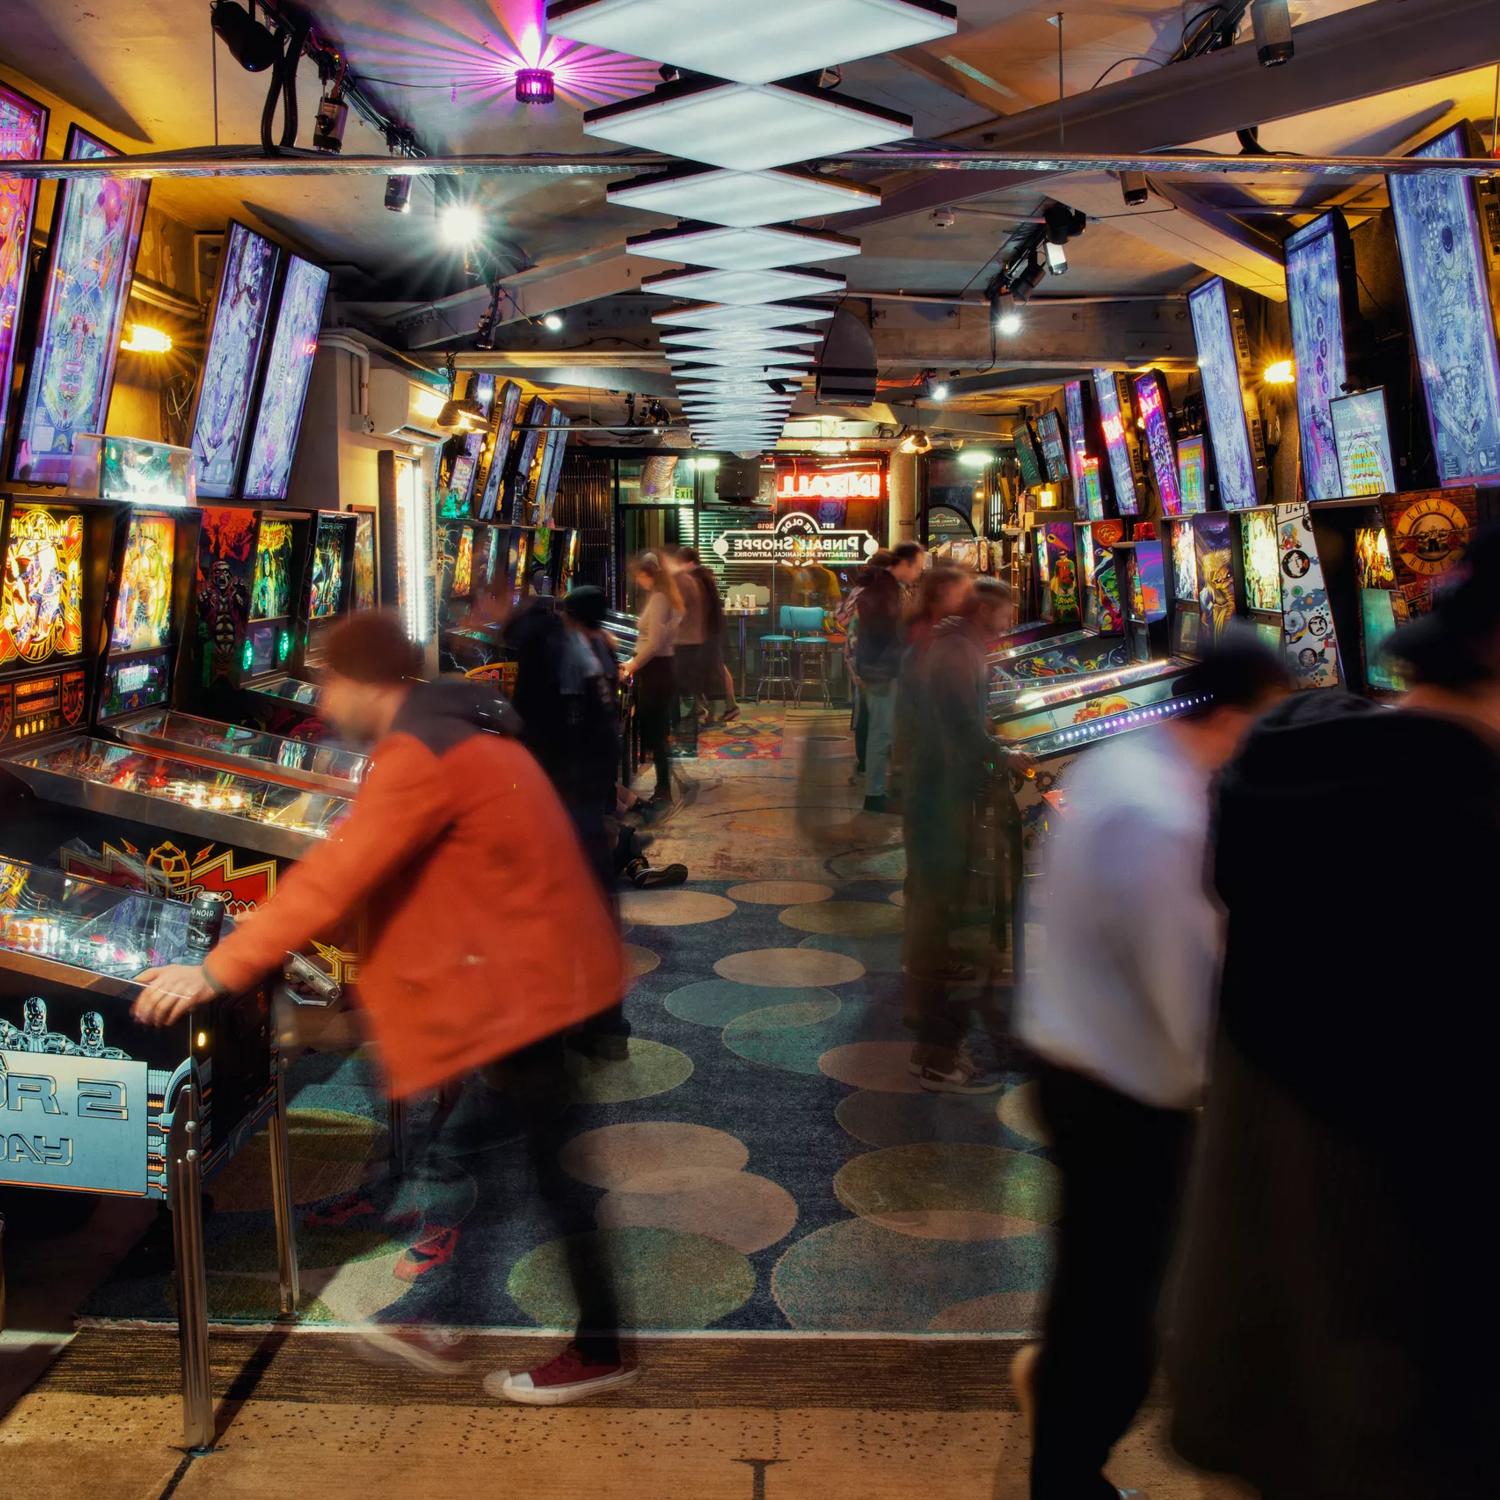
x: 1215, y: 575
x: 271, y: 594
x: 41, y: 611
x: 143, y: 610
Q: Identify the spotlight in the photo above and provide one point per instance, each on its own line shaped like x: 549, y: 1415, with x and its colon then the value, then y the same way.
x: 975, y: 458
x: 1057, y: 258
x: 465, y: 416
x: 250, y: 44
x: 144, y: 339
x: 553, y: 322
x: 1003, y: 312
x: 1272, y: 22
x: 462, y: 223
x: 398, y: 194
x: 535, y: 86
x: 329, y: 122
x: 939, y: 392
x: 1135, y: 189
x: 1280, y: 372
x: 1008, y: 323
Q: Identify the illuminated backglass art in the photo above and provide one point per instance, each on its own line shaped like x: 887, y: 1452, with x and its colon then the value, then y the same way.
x: 143, y: 610
x: 1362, y: 434
x: 1078, y: 452
x: 1184, y: 561
x: 41, y: 612
x: 271, y: 594
x: 284, y: 391
x: 1215, y: 575
x: 235, y: 338
x: 364, y: 560
x: 1316, y: 305
x: 1453, y: 324
x: 1262, y: 560
x: 23, y: 132
x: 1112, y: 420
x: 463, y: 563
x: 327, y: 585
x: 95, y: 233
x: 1223, y: 397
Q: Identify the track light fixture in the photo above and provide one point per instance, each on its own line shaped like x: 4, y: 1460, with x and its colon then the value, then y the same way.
x: 330, y: 120
x: 398, y: 194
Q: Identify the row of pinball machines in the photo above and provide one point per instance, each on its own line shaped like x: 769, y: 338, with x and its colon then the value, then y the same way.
x: 487, y: 569
x: 131, y: 833
x: 1151, y: 596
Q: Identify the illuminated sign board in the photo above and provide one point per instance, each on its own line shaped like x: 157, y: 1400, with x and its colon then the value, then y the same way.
x: 1153, y: 408
x: 1112, y: 419
x: 831, y: 484
x: 796, y: 538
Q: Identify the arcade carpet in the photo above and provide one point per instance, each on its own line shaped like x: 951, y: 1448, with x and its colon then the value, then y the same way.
x: 762, y: 1160
x: 755, y: 735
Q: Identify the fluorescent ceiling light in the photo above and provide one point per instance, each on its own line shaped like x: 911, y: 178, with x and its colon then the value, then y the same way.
x: 740, y: 317
x: 743, y: 286
x: 753, y: 42
x: 744, y: 200
x: 739, y: 359
x: 742, y: 249
x: 745, y: 129
x: 729, y: 340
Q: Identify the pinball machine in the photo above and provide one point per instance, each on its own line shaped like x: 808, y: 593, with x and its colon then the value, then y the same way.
x: 99, y: 1104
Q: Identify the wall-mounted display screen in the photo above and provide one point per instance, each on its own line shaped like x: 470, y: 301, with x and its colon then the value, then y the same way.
x: 1054, y: 450
x: 23, y: 133
x: 1026, y: 455
x: 1112, y: 421
x: 1262, y: 561
x: 1315, y: 301
x: 325, y: 591
x: 236, y: 335
x: 283, y: 393
x: 41, y: 610
x: 96, y: 230
x: 1362, y: 436
x: 1192, y: 475
x: 143, y: 607
x: 1224, y: 396
x: 1151, y: 401
x: 496, y: 451
x: 271, y: 592
x: 1452, y: 320
x: 1078, y: 451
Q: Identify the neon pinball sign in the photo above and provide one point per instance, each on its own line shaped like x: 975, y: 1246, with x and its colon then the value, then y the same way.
x: 831, y: 484
x: 796, y: 538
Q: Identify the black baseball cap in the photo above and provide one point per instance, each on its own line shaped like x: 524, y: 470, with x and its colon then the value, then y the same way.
x: 586, y: 604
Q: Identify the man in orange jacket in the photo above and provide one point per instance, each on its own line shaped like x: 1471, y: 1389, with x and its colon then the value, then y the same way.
x: 488, y: 935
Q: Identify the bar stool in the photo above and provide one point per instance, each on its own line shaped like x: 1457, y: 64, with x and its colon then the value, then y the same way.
x: 810, y: 649
x: 775, y: 665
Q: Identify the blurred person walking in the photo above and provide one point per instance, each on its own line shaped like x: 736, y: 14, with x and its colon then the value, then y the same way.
x: 877, y: 659
x: 950, y: 758
x: 1118, y: 1014
x: 653, y: 667
x: 710, y: 676
x: 1336, y: 1328
x: 847, y: 617
x: 489, y: 940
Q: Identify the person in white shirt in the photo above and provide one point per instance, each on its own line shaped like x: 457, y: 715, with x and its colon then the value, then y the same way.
x: 652, y: 667
x: 1119, y: 1015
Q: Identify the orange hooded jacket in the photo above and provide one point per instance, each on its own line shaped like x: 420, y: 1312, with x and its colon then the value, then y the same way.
x: 487, y: 931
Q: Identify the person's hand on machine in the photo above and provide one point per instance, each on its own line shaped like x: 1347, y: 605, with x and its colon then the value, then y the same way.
x: 170, y: 992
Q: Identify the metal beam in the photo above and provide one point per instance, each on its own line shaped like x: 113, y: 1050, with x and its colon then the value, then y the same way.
x: 1172, y: 222
x: 1368, y: 50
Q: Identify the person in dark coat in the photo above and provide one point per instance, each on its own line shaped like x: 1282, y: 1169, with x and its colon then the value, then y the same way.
x: 877, y: 659
x: 1337, y: 1322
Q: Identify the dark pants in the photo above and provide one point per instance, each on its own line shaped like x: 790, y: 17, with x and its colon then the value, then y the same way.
x: 654, y: 687
x: 526, y: 1094
x: 1123, y: 1165
x: 861, y: 730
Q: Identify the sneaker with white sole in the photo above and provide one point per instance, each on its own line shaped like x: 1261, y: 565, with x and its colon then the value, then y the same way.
x: 434, y: 1351
x: 572, y: 1376
x: 962, y: 1076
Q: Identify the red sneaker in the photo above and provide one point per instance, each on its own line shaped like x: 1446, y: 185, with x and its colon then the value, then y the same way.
x: 569, y: 1377
x: 431, y: 1249
x: 348, y: 1208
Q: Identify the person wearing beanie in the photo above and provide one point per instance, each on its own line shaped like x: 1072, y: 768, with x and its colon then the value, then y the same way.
x: 488, y: 936
x: 1335, y: 1322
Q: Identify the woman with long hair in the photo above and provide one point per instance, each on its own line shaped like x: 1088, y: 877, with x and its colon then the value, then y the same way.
x: 651, y: 667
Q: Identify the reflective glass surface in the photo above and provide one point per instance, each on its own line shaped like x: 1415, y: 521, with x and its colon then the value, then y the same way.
x: 251, y: 745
